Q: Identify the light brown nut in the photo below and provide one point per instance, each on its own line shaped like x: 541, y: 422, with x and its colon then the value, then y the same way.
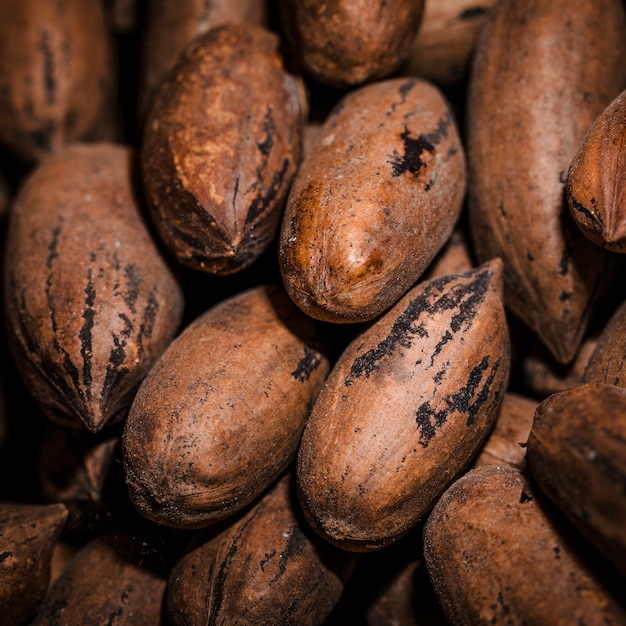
x: 495, y: 555
x: 90, y: 301
x: 374, y: 201
x: 56, y: 74
x: 596, y: 192
x: 220, y: 415
x: 405, y: 408
x: 542, y: 73
x: 221, y: 144
x: 115, y: 578
x: 265, y: 568
x: 348, y: 42
x: 577, y: 454
x: 28, y: 535
x: 169, y: 25
x: 445, y: 41
x: 506, y: 444
x: 607, y: 363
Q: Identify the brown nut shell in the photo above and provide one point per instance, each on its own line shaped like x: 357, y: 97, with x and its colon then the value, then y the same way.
x: 542, y: 73
x: 348, y: 42
x: 220, y: 415
x: 115, y: 578
x: 28, y: 535
x: 374, y: 201
x: 494, y: 556
x: 577, y: 454
x: 56, y: 74
x: 405, y: 408
x: 221, y: 144
x: 596, y: 181
x: 90, y: 301
x: 265, y: 568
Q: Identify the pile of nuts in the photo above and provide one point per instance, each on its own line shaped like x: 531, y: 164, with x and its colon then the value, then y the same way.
x: 312, y: 312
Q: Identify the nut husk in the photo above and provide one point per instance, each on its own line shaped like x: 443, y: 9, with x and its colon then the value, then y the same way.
x: 405, y: 408
x: 90, y: 301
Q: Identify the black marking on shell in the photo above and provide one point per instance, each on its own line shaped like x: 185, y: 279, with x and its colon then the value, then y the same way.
x: 307, y: 364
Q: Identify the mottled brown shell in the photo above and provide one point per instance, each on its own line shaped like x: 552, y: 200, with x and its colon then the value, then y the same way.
x: 28, y: 535
x: 577, y: 454
x: 348, y: 42
x: 116, y: 578
x: 495, y: 556
x: 90, y: 301
x: 56, y: 74
x: 169, y: 25
x: 596, y: 181
x: 220, y: 415
x: 446, y: 38
x: 374, y: 201
x: 405, y: 408
x: 506, y: 444
x: 265, y: 568
x: 542, y: 73
x: 221, y: 144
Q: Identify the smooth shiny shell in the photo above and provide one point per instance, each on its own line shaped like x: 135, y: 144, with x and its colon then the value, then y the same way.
x: 373, y: 202
x: 405, y: 408
x: 220, y: 415
x: 90, y: 301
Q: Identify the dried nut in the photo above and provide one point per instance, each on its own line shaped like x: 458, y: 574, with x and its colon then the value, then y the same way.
x: 265, y: 568
x: 169, y: 25
x: 442, y: 50
x: 596, y: 191
x: 115, y: 578
x: 492, y: 553
x: 28, y: 535
x: 374, y: 201
x: 220, y: 415
x: 345, y: 43
x: 607, y: 362
x: 405, y: 408
x: 577, y: 454
x: 90, y: 302
x: 221, y: 144
x: 506, y: 444
x: 542, y: 73
x: 56, y: 74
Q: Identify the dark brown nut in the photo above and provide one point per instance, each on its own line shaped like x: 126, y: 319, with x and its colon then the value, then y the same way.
x: 454, y: 258
x: 607, y: 363
x: 345, y: 43
x: 56, y: 75
x: 265, y: 568
x: 373, y: 202
x: 5, y: 197
x: 116, y: 578
x: 220, y: 415
x: 169, y: 25
x: 577, y: 454
x: 221, y: 145
x: 90, y: 302
x: 495, y: 556
x: 405, y: 408
x: 542, y: 73
x: 544, y: 376
x: 28, y: 535
x: 506, y: 444
x: 442, y: 50
x: 73, y: 469
x: 596, y: 192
